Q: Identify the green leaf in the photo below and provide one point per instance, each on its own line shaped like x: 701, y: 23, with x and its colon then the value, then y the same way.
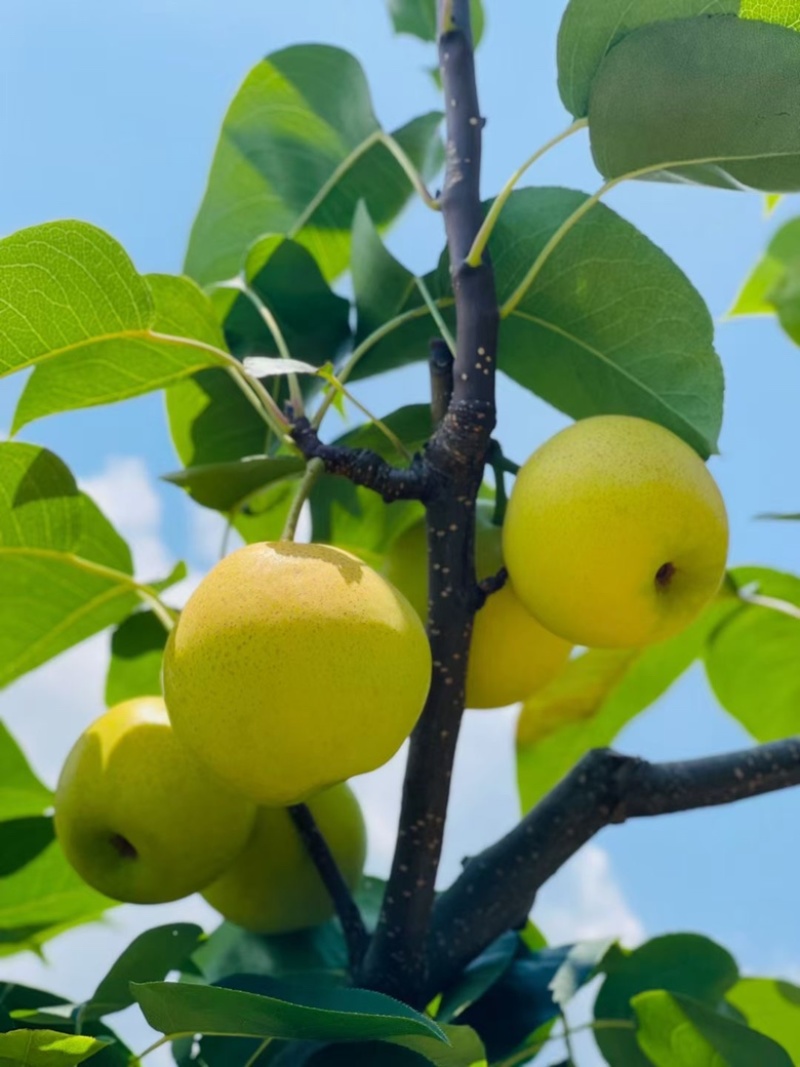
x: 382, y: 285
x: 594, y: 697
x: 21, y: 792
x: 611, y: 325
x: 680, y: 963
x: 589, y: 30
x: 479, y: 976
x: 675, y: 1031
x: 45, y: 1048
x: 298, y: 150
x: 233, y: 950
x: 148, y: 958
x: 137, y: 647
x: 529, y: 994
x: 784, y: 12
x: 227, y: 486
x: 418, y: 18
x: 284, y: 277
x: 708, y: 100
x: 64, y: 571
x: 78, y: 313
x: 774, y: 285
x: 43, y: 898
x: 292, y: 1012
x: 751, y: 658
x: 15, y: 998
x: 21, y: 840
x: 464, y: 1050
x: 571, y: 338
x: 772, y: 1007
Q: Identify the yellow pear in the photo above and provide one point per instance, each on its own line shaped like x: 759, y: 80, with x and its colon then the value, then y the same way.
x: 272, y: 887
x: 137, y: 816
x: 294, y: 667
x: 616, y: 534
x: 511, y: 655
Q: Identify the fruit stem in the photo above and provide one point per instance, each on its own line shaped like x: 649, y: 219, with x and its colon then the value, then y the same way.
x: 355, y: 932
x: 495, y: 458
x: 314, y: 470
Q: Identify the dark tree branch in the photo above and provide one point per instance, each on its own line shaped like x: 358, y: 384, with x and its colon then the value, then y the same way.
x: 440, y: 361
x: 364, y: 467
x: 355, y: 932
x: 497, y: 889
x: 397, y: 960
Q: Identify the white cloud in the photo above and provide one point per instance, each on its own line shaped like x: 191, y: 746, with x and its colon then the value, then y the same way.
x: 125, y: 492
x: 584, y: 902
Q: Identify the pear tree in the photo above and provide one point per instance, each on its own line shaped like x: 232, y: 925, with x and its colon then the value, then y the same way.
x: 439, y: 573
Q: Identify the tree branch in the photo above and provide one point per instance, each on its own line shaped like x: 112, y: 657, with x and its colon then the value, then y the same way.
x: 364, y: 467
x: 497, y: 889
x: 397, y: 962
x: 355, y: 932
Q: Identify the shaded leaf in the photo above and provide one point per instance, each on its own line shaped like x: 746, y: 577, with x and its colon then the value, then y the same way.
x: 15, y: 998
x: 233, y: 950
x: 296, y: 154
x: 589, y: 30
x: 708, y: 100
x: 227, y: 486
x: 21, y: 792
x: 64, y: 571
x: 45, y: 1048
x: 284, y: 277
x: 676, y: 1031
x: 78, y: 313
x: 772, y: 1007
x: 21, y: 841
x: 382, y: 285
x: 292, y: 1012
x: 137, y: 647
x: 751, y: 658
x: 594, y: 697
x: 149, y: 957
x: 679, y: 963
x: 529, y: 995
x: 479, y: 976
x: 464, y: 1050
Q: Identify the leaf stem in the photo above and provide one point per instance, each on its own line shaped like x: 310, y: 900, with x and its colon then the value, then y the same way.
x: 552, y: 245
x: 257, y: 1054
x: 238, y: 284
x: 268, y: 408
x: 366, y: 345
x: 411, y: 172
x: 314, y: 471
x: 436, y: 314
x: 489, y: 223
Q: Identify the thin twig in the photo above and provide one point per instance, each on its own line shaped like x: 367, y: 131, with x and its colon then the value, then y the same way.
x: 355, y: 932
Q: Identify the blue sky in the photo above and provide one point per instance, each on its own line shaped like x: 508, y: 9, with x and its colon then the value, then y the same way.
x: 110, y: 113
